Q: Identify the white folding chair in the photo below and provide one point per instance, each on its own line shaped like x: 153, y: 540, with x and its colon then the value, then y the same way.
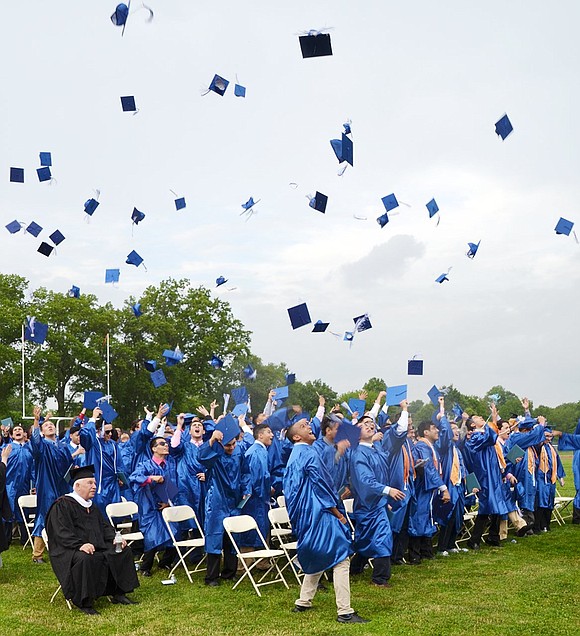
x: 59, y: 588
x: 177, y: 514
x: 122, y: 510
x: 245, y: 523
x: 281, y: 501
x: 28, y: 502
x: 561, y: 506
x: 279, y: 520
x: 348, y: 507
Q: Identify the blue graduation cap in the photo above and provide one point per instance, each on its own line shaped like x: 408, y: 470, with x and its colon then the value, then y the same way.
x: 230, y: 428
x: 158, y: 378
x: 45, y: 249
x: 239, y: 90
x: 250, y: 372
x: 390, y: 202
x: 220, y: 280
x: 473, y: 247
x: 503, y: 127
x: 362, y: 323
x: 239, y: 395
x: 7, y: 421
x: 57, y: 237
x: 320, y: 327
x: 17, y: 175
x: 279, y: 420
x: 303, y: 415
x: 348, y: 336
x: 35, y: 331
x: 434, y: 393
x: 34, y: 229
x: 172, y: 357
x: 562, y: 227
x: 433, y: 208
x: 13, y: 227
x: 315, y: 44
x: 45, y: 159
x: 150, y: 365
x: 240, y: 409
x: 74, y: 292
x: 250, y: 203
x: 318, y: 202
x: 280, y: 394
x: 134, y: 259
x: 383, y: 219
x: 128, y: 104
x: 348, y: 431
x: 343, y: 149
x: 119, y: 17
x: 290, y: 378
x: 219, y: 85
x: 216, y: 363
x: 90, y: 399
x: 90, y: 206
x: 457, y: 411
x: 109, y: 413
x: 360, y: 406
x: 180, y: 203
x: 137, y: 310
x: 442, y: 278
x: 415, y: 367
x: 396, y: 394
x: 137, y: 216
x: 44, y: 174
x: 299, y: 316
x: 112, y: 275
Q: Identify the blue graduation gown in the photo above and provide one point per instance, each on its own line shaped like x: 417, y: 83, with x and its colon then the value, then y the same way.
x: 140, y: 445
x: 451, y: 512
x: 191, y: 490
x: 485, y: 464
x: 51, y: 463
x: 527, y: 485
x: 19, y: 473
x: 394, y: 443
x: 546, y: 489
x: 323, y: 541
x: 223, y: 490
x: 148, y: 497
x: 256, y: 482
x: 368, y: 479
x: 103, y: 455
x: 337, y: 467
x: 275, y: 464
x: 427, y: 484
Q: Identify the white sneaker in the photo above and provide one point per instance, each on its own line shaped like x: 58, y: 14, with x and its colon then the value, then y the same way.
x: 444, y: 553
x: 454, y: 551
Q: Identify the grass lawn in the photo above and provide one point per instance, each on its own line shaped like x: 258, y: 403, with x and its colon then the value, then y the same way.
x: 528, y: 588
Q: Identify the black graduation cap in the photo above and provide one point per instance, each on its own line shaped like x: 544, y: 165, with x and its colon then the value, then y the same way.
x: 84, y: 472
x: 315, y: 44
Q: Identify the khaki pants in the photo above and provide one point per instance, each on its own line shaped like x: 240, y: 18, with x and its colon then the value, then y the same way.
x: 37, y: 547
x: 516, y: 521
x: 341, y: 582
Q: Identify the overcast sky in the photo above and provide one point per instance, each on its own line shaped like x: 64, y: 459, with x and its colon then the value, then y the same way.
x: 423, y: 83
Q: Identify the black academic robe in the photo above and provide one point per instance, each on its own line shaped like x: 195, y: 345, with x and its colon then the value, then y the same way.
x: 5, y: 511
x: 85, y: 577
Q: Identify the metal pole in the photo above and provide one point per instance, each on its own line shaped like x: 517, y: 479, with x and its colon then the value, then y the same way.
x: 108, y: 367
x: 22, y: 365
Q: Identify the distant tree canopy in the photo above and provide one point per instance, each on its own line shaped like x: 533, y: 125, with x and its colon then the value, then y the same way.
x: 174, y: 314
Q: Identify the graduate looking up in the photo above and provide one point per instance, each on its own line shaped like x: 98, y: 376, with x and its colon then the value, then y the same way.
x: 85, y: 559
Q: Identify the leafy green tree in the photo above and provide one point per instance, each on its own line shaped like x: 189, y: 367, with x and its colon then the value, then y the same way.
x: 306, y: 395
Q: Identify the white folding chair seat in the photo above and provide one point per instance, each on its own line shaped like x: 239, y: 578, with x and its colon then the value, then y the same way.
x: 59, y: 588
x: 28, y: 502
x: 121, y: 510
x: 279, y: 520
x: 178, y: 514
x: 348, y: 507
x: 245, y: 523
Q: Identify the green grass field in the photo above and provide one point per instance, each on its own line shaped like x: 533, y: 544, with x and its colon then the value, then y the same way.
x: 527, y: 588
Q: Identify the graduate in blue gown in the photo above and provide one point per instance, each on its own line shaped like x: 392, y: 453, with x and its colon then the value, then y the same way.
x: 143, y: 433
x: 334, y: 456
x: 321, y: 530
x: 52, y: 461
x: 368, y: 483
x: 550, y: 471
x: 101, y: 451
x: 572, y: 442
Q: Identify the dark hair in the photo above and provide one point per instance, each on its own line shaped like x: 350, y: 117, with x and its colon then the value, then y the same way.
x: 259, y: 429
x: 134, y: 425
x: 425, y: 425
x: 153, y: 442
x: 290, y: 432
x: 327, y: 423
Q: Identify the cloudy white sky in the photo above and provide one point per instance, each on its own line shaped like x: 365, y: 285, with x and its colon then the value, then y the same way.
x: 423, y: 83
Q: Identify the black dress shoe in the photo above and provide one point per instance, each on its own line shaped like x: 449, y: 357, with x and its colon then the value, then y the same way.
x: 473, y: 546
x: 145, y: 572
x: 91, y: 611
x: 300, y: 608
x: 214, y: 583
x: 121, y: 599
x: 351, y: 618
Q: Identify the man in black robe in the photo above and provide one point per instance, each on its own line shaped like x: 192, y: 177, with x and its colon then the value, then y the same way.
x: 82, y: 550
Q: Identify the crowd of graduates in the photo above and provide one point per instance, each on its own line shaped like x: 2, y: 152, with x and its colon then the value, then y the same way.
x: 405, y: 489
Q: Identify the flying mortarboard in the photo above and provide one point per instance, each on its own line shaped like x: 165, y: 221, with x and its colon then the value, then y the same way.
x: 34, y: 229
x: 299, y: 316
x: 383, y: 219
x: 348, y: 336
x: 239, y: 395
x: 17, y: 175
x: 180, y: 203
x: 91, y: 398
x: 362, y: 323
x: 90, y: 206
x: 457, y: 411
x: 473, y: 247
x: 158, y: 378
x: 44, y: 174
x: 290, y: 378
x: 564, y: 227
x: 434, y: 394
x: 320, y: 327
x: 343, y: 149
x: 396, y: 394
x: 128, y: 104
x: 229, y: 427
x: 137, y: 216
x: 150, y: 365
x: 349, y: 432
x: 35, y: 331
x: 315, y: 44
x: 318, y: 202
x: 504, y: 127
x: 442, y: 278
x: 13, y: 227
x: 45, y: 249
x: 219, y: 85
x: 433, y: 208
x: 390, y: 202
x: 220, y: 280
x: 281, y: 393
x: 415, y: 367
x: 250, y: 372
x: 134, y: 259
x: 119, y: 17
x: 45, y: 159
x: 112, y: 275
x: 74, y: 292
x: 137, y: 310
x: 172, y: 357
x: 239, y: 90
x: 109, y: 413
x: 216, y: 363
x: 57, y: 237
x: 358, y: 406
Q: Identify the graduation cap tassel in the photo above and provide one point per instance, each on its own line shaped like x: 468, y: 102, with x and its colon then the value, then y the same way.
x: 359, y: 218
x: 342, y: 169
x: 575, y: 237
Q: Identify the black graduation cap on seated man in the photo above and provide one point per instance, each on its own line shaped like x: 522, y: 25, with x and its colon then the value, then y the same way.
x: 84, y: 472
x: 315, y: 44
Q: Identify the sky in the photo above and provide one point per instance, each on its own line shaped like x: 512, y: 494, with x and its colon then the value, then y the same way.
x: 423, y: 84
